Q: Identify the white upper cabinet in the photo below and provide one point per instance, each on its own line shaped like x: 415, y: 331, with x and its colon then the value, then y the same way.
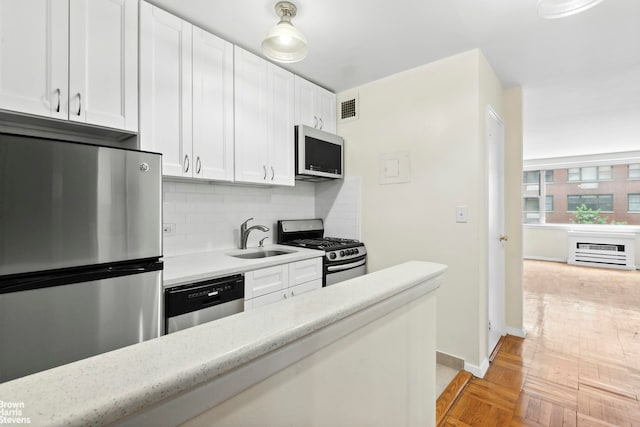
x: 34, y: 57
x: 186, y: 93
x: 165, y: 88
x: 315, y: 106
x: 103, y: 63
x: 71, y: 60
x: 264, y: 118
x: 212, y: 106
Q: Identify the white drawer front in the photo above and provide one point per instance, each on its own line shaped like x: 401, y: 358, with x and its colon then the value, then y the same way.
x: 305, y: 287
x: 263, y: 300
x: 265, y: 281
x: 305, y: 271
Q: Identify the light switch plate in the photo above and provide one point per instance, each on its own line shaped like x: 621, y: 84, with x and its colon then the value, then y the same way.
x: 462, y: 214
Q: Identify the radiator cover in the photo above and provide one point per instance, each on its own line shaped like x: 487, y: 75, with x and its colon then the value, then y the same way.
x: 597, y: 249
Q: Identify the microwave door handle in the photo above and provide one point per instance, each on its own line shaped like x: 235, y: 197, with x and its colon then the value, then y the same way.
x: 346, y: 266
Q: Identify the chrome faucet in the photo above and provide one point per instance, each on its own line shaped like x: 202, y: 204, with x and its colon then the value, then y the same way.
x: 244, y: 232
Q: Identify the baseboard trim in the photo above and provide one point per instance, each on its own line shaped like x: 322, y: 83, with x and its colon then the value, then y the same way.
x: 545, y: 258
x: 520, y: 333
x: 449, y: 361
x: 478, y: 371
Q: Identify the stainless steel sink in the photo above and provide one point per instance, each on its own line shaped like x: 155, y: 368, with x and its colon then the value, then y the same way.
x: 260, y: 254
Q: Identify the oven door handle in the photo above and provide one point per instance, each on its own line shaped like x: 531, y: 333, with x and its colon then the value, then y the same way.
x: 335, y: 268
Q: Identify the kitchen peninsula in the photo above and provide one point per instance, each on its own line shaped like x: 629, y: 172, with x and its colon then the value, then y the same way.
x: 361, y: 352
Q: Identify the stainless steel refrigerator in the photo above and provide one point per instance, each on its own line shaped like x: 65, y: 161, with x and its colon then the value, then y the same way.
x: 80, y: 242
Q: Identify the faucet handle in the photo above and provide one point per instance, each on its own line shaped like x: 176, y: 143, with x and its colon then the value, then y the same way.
x: 244, y: 224
x: 262, y: 240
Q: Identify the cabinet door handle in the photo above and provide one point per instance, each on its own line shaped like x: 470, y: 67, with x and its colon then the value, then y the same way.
x: 315, y: 122
x: 79, y: 103
x: 285, y: 296
x: 321, y: 123
x: 273, y: 173
x: 293, y: 294
x: 265, y: 172
x: 186, y: 163
x: 58, y: 107
x: 198, y: 165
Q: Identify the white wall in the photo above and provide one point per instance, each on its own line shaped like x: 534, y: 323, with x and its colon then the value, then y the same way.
x: 208, y: 216
x: 514, y: 297
x: 435, y: 112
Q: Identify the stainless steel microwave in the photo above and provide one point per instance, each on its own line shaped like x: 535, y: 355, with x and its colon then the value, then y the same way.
x: 319, y: 154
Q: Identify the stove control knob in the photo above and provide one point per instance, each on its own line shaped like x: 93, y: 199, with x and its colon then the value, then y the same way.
x: 341, y: 253
x: 350, y: 252
x: 332, y: 255
x: 356, y: 251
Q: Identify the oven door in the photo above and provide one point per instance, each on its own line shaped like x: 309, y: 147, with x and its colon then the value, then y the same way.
x: 336, y: 272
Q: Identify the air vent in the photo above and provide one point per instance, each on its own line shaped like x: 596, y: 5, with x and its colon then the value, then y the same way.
x: 612, y: 250
x: 349, y: 108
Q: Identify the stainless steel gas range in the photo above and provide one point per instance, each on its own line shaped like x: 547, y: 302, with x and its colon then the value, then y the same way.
x: 344, y: 258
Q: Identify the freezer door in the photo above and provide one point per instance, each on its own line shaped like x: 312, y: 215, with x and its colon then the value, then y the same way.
x: 65, y: 204
x: 52, y: 326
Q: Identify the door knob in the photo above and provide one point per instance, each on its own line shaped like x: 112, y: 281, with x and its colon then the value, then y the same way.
x: 504, y: 238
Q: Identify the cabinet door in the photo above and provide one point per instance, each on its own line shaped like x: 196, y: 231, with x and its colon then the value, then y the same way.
x: 34, y: 56
x: 251, y: 113
x: 212, y: 106
x: 266, y: 281
x: 305, y: 271
x: 306, y: 113
x: 165, y: 89
x: 103, y: 63
x: 327, y: 110
x: 281, y: 135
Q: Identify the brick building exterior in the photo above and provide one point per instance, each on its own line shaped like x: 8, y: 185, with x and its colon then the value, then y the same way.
x: 614, y: 189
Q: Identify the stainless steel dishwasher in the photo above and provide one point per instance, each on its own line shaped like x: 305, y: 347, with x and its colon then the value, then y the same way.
x: 196, y: 303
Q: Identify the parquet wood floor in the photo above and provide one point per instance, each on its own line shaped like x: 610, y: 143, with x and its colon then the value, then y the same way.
x: 578, y: 366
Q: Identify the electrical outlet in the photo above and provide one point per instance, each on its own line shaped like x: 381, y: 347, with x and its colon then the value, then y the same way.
x: 168, y: 229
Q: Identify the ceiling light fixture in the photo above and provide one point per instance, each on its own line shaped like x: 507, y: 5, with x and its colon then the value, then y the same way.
x: 552, y: 9
x: 284, y: 43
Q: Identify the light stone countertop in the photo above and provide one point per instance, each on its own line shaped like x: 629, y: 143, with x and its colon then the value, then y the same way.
x: 190, y: 268
x: 103, y: 389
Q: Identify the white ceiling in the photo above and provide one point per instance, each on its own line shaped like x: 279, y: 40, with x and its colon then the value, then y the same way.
x: 580, y: 75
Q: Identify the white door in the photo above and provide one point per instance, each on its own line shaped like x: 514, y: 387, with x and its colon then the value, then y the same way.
x: 281, y: 106
x: 212, y: 106
x: 34, y: 58
x: 327, y: 110
x: 251, y: 118
x: 306, y: 113
x: 496, y: 241
x: 165, y: 89
x: 103, y: 63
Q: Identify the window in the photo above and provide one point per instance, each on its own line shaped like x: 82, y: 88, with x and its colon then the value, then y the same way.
x: 634, y: 202
x: 590, y: 173
x: 531, y: 177
x: 604, y: 202
x: 531, y: 204
x: 548, y: 177
x: 547, y: 202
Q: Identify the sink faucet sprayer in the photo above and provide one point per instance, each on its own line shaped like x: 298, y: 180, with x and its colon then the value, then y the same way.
x: 244, y: 232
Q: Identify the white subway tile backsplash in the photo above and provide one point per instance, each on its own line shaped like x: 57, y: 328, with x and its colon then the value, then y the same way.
x: 208, y: 216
